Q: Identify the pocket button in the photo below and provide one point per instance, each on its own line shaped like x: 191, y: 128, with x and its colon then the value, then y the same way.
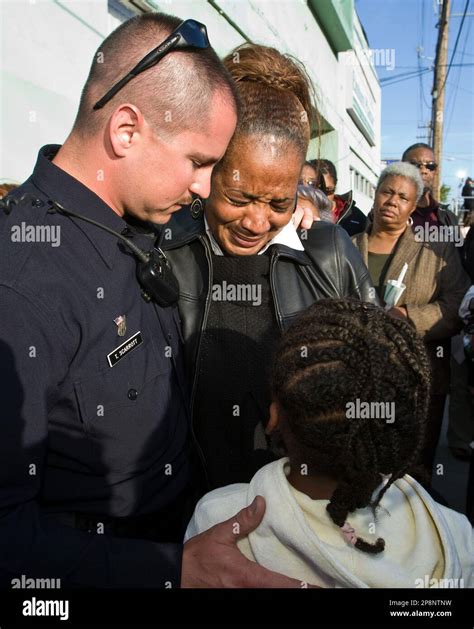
x: 132, y: 394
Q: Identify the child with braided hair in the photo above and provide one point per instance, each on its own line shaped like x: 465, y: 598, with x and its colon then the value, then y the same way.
x: 350, y: 389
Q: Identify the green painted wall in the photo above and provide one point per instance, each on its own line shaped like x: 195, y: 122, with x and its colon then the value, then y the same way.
x: 335, y: 18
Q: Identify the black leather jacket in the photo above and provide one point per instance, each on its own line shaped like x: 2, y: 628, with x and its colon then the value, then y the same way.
x: 329, y: 267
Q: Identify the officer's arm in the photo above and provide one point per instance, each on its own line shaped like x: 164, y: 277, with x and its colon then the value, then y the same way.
x: 32, y: 361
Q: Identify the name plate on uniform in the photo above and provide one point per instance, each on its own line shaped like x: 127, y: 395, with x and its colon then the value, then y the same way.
x: 122, y: 350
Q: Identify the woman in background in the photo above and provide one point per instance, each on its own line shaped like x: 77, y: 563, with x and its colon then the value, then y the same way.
x: 309, y: 177
x: 344, y: 209
x: 435, y: 280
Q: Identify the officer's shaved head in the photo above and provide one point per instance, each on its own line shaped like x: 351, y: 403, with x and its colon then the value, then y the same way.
x: 174, y: 94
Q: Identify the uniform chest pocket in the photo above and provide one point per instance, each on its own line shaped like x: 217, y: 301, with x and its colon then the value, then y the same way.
x: 125, y: 410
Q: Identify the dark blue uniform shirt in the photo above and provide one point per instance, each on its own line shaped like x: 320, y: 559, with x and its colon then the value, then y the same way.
x: 77, y: 434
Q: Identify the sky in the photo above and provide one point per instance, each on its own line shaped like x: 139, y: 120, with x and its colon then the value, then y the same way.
x: 404, y: 26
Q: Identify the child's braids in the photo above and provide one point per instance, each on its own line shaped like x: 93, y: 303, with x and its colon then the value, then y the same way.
x: 336, y: 352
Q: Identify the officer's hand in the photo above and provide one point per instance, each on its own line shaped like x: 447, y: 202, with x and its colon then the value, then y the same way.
x: 212, y: 559
x: 303, y: 218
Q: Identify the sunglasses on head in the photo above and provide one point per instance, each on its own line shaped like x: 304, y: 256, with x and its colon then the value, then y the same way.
x: 428, y: 165
x: 313, y: 183
x: 189, y: 34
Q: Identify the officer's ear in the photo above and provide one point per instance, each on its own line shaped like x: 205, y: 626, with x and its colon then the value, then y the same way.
x: 125, y: 127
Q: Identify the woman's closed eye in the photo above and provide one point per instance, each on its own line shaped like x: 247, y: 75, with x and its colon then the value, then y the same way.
x: 281, y: 208
x: 238, y: 202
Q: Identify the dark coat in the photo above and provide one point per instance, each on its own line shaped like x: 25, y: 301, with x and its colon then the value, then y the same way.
x: 468, y: 191
x: 468, y: 254
x: 329, y: 267
x: 352, y: 219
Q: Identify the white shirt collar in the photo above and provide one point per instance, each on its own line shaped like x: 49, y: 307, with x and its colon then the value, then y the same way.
x: 288, y: 236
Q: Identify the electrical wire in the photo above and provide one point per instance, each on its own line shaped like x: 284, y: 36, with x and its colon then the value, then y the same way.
x: 466, y: 7
x: 455, y: 92
x: 389, y: 79
x: 418, y: 55
x: 463, y: 89
x: 454, y: 65
x: 400, y: 79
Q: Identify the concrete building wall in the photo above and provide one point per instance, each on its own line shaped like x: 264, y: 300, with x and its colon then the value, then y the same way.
x: 48, y: 45
x: 47, y: 48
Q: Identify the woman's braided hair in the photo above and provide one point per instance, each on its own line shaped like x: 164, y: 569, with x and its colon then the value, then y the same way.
x: 337, y: 352
x: 277, y: 96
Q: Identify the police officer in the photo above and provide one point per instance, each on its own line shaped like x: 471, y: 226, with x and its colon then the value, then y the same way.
x: 94, y: 444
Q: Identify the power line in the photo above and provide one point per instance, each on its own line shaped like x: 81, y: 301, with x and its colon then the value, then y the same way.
x: 451, y: 97
x: 465, y: 54
x: 418, y: 54
x: 389, y: 79
x: 463, y: 89
x: 422, y: 87
x: 454, y: 65
x: 454, y: 94
x: 410, y: 75
x: 456, y: 43
x: 407, y: 78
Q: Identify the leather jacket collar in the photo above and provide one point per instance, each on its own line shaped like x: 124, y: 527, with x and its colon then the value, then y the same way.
x: 186, y: 229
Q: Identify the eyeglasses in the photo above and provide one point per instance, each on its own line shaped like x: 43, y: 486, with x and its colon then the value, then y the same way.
x: 429, y: 165
x: 308, y: 182
x: 189, y: 34
x: 318, y: 184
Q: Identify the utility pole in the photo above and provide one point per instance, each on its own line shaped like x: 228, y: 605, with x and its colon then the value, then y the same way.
x: 438, y: 92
